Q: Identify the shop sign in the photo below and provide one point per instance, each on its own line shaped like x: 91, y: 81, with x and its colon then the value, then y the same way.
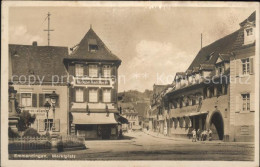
x: 83, y: 81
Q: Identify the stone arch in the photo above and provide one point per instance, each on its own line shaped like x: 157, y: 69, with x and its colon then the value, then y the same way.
x: 216, y: 124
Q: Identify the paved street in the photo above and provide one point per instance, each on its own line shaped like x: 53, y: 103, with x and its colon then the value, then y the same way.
x: 141, y: 146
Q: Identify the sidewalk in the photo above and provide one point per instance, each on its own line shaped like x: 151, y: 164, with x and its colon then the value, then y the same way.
x: 159, y: 135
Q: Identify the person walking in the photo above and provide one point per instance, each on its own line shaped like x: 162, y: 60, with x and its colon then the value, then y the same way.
x: 194, y: 136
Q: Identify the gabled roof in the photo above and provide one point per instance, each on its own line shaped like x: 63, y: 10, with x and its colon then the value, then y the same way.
x: 42, y: 61
x: 251, y: 18
x: 82, y: 50
x: 223, y: 45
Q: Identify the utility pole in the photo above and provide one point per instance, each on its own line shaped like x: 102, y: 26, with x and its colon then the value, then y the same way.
x: 201, y: 40
x: 48, y: 30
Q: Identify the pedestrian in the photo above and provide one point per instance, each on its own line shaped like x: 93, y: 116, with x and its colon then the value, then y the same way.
x: 210, y: 135
x: 198, y: 134
x: 194, y: 136
x: 205, y: 135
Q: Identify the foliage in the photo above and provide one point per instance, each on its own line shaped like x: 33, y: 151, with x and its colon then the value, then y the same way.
x: 26, y: 119
x: 12, y: 134
x: 31, y: 133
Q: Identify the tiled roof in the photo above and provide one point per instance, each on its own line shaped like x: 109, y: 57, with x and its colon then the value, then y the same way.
x: 42, y: 61
x: 223, y: 45
x: 183, y: 74
x: 157, y: 89
x: 207, y: 66
x: 82, y: 51
x: 251, y: 18
x: 224, y: 57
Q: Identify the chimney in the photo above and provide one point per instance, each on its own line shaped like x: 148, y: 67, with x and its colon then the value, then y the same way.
x: 34, y: 43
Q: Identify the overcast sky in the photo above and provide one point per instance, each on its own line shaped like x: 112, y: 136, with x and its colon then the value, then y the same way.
x: 153, y: 44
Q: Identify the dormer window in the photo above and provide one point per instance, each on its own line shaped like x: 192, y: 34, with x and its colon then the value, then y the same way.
x: 249, y: 31
x: 92, y: 45
x: 249, y: 36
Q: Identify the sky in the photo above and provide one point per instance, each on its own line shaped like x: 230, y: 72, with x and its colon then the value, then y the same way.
x: 153, y: 43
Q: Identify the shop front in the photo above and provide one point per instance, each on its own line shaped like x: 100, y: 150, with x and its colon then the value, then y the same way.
x: 95, y: 125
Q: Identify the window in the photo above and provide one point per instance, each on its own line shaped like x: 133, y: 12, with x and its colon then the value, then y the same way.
x: 93, y: 71
x: 48, y: 124
x: 193, y: 101
x: 93, y: 95
x: 79, y: 70
x: 107, y: 71
x: 249, y: 31
x: 26, y: 99
x: 246, y: 102
x: 79, y: 94
x: 107, y: 95
x: 93, y: 48
x: 245, y: 66
x: 249, y: 36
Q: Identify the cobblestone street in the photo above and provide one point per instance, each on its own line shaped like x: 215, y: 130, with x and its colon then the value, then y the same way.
x: 142, y: 146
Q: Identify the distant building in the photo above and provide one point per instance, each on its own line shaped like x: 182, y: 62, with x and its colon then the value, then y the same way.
x: 130, y: 113
x: 33, y: 68
x: 93, y: 92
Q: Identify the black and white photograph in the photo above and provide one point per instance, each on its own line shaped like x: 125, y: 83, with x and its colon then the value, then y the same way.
x: 130, y: 84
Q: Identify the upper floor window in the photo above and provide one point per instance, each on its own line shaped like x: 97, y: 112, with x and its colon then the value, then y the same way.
x: 26, y: 99
x: 79, y: 94
x: 107, y: 71
x: 245, y: 66
x: 249, y: 31
x: 246, y: 102
x: 93, y: 71
x: 93, y: 95
x: 249, y: 36
x: 92, y: 45
x: 79, y: 70
x: 107, y: 95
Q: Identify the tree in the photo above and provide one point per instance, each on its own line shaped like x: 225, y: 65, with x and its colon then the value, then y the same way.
x: 26, y: 119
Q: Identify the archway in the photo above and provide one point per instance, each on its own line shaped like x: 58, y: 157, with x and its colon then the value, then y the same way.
x: 217, y: 126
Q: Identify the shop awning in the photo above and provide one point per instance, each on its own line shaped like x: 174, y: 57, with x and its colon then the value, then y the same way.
x: 121, y: 119
x: 93, y: 118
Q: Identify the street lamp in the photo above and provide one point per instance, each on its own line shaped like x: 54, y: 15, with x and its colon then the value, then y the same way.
x: 47, y: 107
x: 53, y: 98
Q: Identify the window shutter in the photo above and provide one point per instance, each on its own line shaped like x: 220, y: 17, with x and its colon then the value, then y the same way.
x: 251, y: 64
x: 101, y: 71
x: 237, y: 64
x: 252, y: 101
x: 34, y: 100
x: 72, y: 69
x: 56, y: 125
x: 86, y: 73
x: 58, y: 101
x: 72, y: 94
x: 113, y: 95
x: 41, y: 100
x: 100, y: 95
x: 113, y: 71
x: 41, y: 125
x: 238, y: 103
x: 18, y: 99
x: 86, y: 94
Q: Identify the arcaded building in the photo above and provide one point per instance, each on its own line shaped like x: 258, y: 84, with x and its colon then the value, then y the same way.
x: 217, y: 91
